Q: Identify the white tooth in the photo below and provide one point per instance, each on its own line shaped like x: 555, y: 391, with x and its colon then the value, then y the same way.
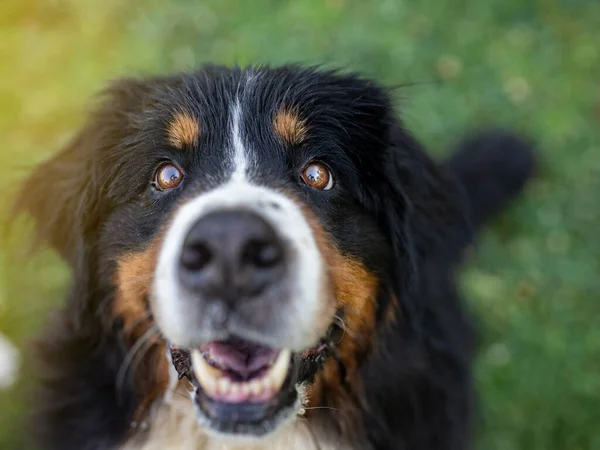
x: 279, y: 370
x: 256, y: 387
x: 223, y: 386
x: 267, y: 384
x: 246, y: 389
x: 206, y: 374
x: 236, y: 388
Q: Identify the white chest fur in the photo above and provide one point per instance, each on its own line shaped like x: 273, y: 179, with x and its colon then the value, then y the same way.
x: 173, y: 426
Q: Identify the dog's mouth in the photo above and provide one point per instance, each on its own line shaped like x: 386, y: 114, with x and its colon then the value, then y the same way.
x: 237, y: 371
x: 245, y: 388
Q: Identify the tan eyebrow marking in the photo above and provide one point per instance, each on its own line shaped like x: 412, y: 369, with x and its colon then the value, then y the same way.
x: 290, y: 128
x: 183, y: 130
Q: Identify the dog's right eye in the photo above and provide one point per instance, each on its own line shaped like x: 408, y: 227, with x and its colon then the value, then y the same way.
x: 167, y: 176
x: 318, y: 176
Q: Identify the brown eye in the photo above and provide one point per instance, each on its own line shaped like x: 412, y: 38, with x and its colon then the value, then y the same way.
x: 167, y: 176
x: 318, y: 176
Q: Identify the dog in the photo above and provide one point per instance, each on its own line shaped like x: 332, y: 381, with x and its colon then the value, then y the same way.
x: 261, y: 258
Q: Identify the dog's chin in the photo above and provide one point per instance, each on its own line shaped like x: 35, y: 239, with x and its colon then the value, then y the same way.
x: 245, y: 390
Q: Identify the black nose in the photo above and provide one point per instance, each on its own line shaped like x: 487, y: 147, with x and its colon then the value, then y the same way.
x: 231, y: 254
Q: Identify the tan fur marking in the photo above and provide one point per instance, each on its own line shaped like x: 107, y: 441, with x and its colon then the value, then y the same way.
x: 183, y: 130
x: 133, y: 279
x: 134, y: 276
x: 290, y: 128
x: 355, y: 291
x: 354, y: 287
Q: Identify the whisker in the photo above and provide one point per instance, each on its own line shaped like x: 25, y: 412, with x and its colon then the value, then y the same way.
x: 187, y: 397
x: 134, y: 355
x: 340, y: 321
x: 323, y: 407
x: 139, y: 321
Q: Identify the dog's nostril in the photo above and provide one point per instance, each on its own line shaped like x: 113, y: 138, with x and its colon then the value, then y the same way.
x: 196, y: 257
x: 262, y: 253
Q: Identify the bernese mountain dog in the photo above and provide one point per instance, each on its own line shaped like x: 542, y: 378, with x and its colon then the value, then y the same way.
x: 261, y: 258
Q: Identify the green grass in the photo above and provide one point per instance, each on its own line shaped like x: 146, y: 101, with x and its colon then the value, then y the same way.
x: 529, y: 65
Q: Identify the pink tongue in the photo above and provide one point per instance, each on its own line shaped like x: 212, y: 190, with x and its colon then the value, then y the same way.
x: 242, y: 357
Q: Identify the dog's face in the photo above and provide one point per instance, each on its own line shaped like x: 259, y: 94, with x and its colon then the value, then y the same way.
x: 250, y: 222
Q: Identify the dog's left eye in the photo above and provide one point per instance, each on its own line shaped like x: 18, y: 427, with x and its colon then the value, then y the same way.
x: 317, y: 176
x: 167, y: 176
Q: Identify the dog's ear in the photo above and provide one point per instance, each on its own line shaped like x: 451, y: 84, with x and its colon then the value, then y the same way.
x: 425, y: 215
x: 64, y: 194
x: 434, y: 207
x: 60, y: 195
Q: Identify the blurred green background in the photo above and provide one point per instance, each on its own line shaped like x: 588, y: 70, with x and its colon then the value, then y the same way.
x: 529, y: 65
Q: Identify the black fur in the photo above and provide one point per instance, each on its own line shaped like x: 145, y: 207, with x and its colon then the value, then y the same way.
x: 405, y: 217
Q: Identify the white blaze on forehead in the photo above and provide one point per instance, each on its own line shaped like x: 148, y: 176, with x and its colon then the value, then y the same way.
x: 240, y: 156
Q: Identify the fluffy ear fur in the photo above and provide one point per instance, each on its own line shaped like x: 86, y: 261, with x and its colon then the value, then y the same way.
x: 64, y: 194
x: 59, y: 195
x: 436, y: 215
x: 425, y: 216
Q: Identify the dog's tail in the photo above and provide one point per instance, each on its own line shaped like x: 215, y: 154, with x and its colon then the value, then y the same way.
x: 493, y: 167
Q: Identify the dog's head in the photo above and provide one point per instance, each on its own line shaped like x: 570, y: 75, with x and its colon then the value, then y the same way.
x: 261, y: 226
